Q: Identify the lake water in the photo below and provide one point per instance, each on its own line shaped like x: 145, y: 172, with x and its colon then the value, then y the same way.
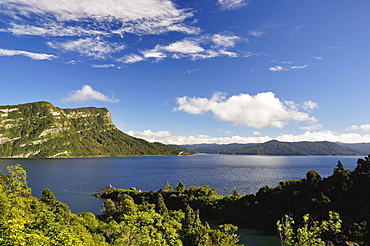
x: 74, y: 180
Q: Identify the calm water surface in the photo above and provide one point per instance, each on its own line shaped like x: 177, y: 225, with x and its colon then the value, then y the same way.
x: 74, y: 180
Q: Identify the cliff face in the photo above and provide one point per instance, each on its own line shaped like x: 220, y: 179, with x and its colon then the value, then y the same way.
x: 41, y: 130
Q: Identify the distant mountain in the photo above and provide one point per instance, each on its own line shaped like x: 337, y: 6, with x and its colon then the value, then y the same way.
x: 41, y: 130
x: 283, y: 148
x: 275, y: 147
x: 214, y: 148
x: 363, y: 148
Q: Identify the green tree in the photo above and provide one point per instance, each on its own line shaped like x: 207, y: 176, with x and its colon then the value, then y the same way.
x: 310, y: 232
x: 180, y: 187
x: 48, y: 197
x: 18, y: 180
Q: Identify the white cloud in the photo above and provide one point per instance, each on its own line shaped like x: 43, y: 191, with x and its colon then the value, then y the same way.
x: 193, y: 70
x: 277, y: 69
x: 256, y: 133
x: 311, y: 127
x: 95, y: 47
x: 299, y: 67
x: 180, y: 139
x: 104, y: 66
x: 231, y: 4
x: 365, y: 127
x: 257, y: 33
x: 224, y: 40
x: 32, y: 55
x: 139, y: 16
x: 261, y: 110
x: 131, y: 58
x: 184, y: 46
x: 325, y: 136
x: 168, y: 137
x: 281, y: 68
x: 53, y: 30
x: 86, y: 94
x: 195, y: 48
x: 309, y: 105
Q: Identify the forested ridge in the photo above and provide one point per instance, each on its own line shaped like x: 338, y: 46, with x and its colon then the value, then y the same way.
x: 41, y: 130
x: 275, y: 147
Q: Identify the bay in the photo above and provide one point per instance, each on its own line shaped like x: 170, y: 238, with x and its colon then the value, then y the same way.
x: 74, y: 180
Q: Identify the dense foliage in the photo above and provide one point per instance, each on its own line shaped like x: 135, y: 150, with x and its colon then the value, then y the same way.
x: 345, y: 192
x: 295, y: 148
x: 42, y: 130
x: 27, y: 220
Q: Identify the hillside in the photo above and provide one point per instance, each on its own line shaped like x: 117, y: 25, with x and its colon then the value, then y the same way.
x: 41, y: 130
x: 275, y: 147
x: 213, y: 148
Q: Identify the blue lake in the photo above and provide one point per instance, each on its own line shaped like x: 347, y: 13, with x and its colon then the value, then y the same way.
x: 74, y: 180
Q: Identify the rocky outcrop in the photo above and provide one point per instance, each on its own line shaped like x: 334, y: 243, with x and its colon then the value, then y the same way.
x: 103, y: 193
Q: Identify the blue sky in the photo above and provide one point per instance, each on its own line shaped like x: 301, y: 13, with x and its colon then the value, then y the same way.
x: 186, y: 71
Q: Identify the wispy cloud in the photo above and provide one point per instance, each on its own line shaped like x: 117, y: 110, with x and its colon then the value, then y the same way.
x: 104, y: 66
x: 286, y: 68
x: 32, y: 55
x: 193, y: 70
x: 195, y: 48
x: 137, y: 16
x: 94, y: 47
x: 257, y: 33
x: 277, y: 69
x: 311, y: 127
x: 87, y: 94
x: 232, y: 4
x: 98, y: 29
x: 258, y: 111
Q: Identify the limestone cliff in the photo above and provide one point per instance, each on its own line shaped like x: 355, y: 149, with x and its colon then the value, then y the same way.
x: 41, y: 130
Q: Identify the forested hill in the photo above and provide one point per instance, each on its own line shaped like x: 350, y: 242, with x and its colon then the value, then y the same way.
x: 42, y: 130
x: 275, y: 147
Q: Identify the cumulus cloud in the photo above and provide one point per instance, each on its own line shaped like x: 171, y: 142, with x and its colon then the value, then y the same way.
x: 32, y: 55
x: 87, y: 94
x: 309, y: 105
x: 261, y: 110
x: 365, y: 127
x: 231, y: 4
x: 325, y: 136
x: 168, y: 137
